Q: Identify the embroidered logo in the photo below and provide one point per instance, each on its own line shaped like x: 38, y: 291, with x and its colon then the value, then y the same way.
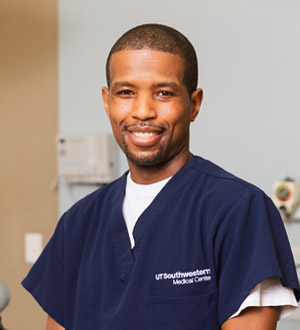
x: 180, y: 278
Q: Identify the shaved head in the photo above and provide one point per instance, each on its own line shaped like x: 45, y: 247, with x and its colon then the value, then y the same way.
x: 159, y: 38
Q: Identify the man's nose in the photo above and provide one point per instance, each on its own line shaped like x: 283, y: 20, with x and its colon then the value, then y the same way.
x: 143, y: 108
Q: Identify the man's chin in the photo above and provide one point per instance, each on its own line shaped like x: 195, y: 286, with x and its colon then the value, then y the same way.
x: 143, y: 159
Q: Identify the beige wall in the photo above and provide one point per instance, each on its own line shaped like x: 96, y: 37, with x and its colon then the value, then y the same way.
x: 28, y: 124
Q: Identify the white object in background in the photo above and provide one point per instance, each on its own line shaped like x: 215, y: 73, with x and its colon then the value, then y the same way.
x: 286, y: 197
x: 295, y: 316
x: 4, y: 296
x: 33, y: 247
x: 87, y: 158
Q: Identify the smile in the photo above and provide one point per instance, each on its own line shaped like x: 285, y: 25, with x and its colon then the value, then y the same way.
x: 145, y: 134
x: 144, y: 137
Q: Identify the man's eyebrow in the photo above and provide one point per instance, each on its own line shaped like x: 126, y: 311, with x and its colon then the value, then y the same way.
x: 167, y: 84
x: 122, y: 84
x: 118, y: 84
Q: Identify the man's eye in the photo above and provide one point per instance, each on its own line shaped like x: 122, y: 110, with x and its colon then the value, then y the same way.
x: 125, y: 92
x: 164, y: 93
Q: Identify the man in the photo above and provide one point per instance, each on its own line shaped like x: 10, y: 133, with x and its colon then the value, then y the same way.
x: 177, y: 243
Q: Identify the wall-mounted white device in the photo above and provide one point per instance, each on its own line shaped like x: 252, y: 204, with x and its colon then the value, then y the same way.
x: 87, y: 158
x: 286, y: 197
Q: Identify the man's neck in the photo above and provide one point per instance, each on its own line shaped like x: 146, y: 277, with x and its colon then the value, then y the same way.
x: 151, y: 174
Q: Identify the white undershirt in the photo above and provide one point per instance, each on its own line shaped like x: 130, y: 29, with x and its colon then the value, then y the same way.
x: 137, y: 198
x: 269, y: 292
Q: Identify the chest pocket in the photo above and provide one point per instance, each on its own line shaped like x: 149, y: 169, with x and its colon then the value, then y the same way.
x: 181, y: 313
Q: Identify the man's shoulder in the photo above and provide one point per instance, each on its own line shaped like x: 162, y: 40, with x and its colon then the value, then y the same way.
x: 215, y: 178
x: 221, y: 193
x: 213, y: 170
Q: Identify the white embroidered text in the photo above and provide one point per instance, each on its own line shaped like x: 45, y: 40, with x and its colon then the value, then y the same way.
x: 180, y: 278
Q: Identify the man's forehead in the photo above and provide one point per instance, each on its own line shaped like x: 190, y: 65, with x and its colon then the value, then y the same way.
x: 145, y: 61
x: 146, y: 53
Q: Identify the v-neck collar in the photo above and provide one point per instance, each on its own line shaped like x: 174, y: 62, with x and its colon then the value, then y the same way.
x: 124, y: 254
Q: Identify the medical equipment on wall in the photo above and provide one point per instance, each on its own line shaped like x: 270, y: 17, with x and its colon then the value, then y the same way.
x: 286, y: 197
x: 87, y: 158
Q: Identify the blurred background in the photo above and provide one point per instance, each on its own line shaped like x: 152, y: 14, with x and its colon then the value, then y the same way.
x: 52, y: 68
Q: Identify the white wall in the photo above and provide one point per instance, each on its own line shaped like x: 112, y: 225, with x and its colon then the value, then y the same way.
x: 249, y: 69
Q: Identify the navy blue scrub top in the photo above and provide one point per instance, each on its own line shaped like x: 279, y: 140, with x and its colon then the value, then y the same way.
x: 205, y: 241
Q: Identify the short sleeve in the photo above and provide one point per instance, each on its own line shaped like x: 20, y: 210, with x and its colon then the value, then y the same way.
x: 270, y: 292
x: 251, y: 245
x: 45, y: 281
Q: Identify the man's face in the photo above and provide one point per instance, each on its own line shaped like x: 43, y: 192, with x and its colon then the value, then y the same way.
x: 148, y: 106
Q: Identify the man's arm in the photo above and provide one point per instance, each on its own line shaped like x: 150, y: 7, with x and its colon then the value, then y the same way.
x: 253, y: 318
x: 53, y: 325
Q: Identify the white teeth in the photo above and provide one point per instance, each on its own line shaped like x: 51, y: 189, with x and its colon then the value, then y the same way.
x: 144, y: 134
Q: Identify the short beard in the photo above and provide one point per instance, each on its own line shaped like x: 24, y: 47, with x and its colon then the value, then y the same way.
x: 155, y: 158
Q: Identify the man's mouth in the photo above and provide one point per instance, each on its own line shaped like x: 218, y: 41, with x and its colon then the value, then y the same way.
x: 145, y: 134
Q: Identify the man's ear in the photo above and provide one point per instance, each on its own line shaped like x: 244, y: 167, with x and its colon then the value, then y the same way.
x: 196, y: 100
x: 105, y: 98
